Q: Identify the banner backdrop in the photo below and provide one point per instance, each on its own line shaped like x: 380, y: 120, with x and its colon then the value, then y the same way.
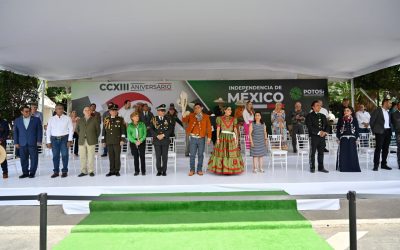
x: 263, y: 93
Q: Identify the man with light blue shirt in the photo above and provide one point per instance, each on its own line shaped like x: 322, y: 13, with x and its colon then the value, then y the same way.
x: 27, y: 136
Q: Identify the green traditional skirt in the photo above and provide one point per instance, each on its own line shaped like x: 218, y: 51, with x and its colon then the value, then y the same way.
x: 226, y: 157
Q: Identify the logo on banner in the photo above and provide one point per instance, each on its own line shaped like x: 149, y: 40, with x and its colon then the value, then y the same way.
x: 296, y: 93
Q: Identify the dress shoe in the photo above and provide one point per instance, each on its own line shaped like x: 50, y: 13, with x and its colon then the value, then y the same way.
x: 103, y: 155
x: 55, y: 175
x: 323, y: 170
x: 76, y: 155
x: 295, y: 151
x: 200, y: 173
x: 143, y: 173
x: 110, y: 174
x: 5, y: 175
x: 82, y: 174
x: 31, y: 176
x: 386, y: 167
x: 91, y: 174
x: 191, y: 173
x: 117, y: 174
x: 326, y: 150
x: 24, y: 176
x: 158, y: 174
x: 136, y: 174
x: 164, y: 174
x: 375, y: 169
x: 312, y: 170
x: 63, y: 175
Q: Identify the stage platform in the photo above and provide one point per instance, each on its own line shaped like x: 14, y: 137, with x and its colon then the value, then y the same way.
x: 293, y: 181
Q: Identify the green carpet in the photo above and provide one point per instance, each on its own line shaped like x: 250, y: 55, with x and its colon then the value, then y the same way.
x: 194, y: 225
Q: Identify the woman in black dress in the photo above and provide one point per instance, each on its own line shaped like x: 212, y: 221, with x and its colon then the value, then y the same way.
x: 347, y: 134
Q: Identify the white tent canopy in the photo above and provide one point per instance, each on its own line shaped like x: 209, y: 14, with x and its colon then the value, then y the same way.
x: 208, y: 39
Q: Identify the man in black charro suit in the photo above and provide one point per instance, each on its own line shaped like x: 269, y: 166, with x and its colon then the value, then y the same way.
x: 317, y: 128
x: 161, y: 129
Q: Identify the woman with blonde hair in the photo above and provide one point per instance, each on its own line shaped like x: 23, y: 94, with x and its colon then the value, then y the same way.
x: 279, y: 124
x: 137, y: 133
x: 248, y: 117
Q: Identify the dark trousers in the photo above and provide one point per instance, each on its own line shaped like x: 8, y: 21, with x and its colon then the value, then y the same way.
x: 161, y: 154
x: 398, y: 148
x: 317, y: 144
x: 296, y: 129
x: 114, y: 155
x: 139, y: 152
x: 4, y: 167
x: 26, y: 153
x: 76, y: 146
x: 382, y: 145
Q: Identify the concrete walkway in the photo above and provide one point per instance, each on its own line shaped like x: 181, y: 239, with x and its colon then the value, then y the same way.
x: 378, y: 225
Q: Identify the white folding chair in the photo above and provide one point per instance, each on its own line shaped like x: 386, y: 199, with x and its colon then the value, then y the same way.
x: 10, y: 151
x: 149, y: 153
x: 303, y: 148
x: 72, y: 155
x: 246, y: 152
x: 276, y: 153
x: 172, y: 151
x: 97, y: 156
x: 333, y: 146
x: 365, y: 151
x: 124, y: 155
x: 180, y: 140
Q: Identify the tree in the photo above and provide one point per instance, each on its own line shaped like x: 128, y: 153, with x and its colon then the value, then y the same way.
x: 15, y: 91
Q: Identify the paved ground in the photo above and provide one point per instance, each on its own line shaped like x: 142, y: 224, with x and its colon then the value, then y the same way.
x: 378, y: 225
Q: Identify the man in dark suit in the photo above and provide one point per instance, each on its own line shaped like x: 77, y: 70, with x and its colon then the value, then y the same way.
x: 4, y: 132
x: 395, y: 117
x: 27, y: 136
x: 381, y: 127
x: 317, y: 125
x: 146, y: 116
x: 161, y: 129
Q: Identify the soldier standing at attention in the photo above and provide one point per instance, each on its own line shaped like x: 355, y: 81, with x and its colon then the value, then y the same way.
x: 114, y: 133
x: 161, y: 129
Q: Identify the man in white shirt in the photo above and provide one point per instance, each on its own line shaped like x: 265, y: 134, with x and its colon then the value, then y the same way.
x: 126, y: 112
x: 363, y: 118
x: 59, y: 138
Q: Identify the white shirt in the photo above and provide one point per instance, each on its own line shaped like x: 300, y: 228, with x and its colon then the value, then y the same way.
x: 126, y: 114
x: 363, y: 117
x: 59, y: 126
x: 247, y: 117
x: 386, y: 116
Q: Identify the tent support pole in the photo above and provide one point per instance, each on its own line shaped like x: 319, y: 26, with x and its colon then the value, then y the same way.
x: 352, y: 92
x: 43, y: 90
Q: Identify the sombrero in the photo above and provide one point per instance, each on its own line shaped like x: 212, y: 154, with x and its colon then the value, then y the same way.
x: 219, y: 100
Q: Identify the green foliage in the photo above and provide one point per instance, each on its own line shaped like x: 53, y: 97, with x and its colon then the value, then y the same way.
x: 16, y: 90
x: 58, y: 94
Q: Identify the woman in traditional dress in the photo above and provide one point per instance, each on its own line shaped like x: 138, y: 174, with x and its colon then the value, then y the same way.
x: 258, y: 141
x: 347, y: 133
x: 226, y: 158
x: 248, y: 117
x: 279, y: 123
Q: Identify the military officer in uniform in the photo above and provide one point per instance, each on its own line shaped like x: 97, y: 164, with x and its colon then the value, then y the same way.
x: 161, y: 129
x: 113, y: 136
x: 317, y: 125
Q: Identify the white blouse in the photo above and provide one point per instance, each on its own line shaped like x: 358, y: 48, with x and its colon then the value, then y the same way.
x: 247, y: 117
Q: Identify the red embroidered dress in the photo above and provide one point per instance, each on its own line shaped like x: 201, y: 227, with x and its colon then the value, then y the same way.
x: 226, y: 158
